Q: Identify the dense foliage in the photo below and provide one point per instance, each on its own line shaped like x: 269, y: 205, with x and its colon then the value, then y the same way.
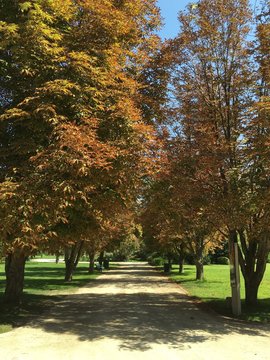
x: 74, y: 141
x: 216, y: 186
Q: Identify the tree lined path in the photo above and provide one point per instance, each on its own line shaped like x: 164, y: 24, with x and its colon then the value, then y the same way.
x: 129, y: 313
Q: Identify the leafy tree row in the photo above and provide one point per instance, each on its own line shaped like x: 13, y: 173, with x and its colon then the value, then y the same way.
x: 216, y: 185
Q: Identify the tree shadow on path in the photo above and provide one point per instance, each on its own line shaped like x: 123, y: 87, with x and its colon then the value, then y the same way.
x: 138, y: 310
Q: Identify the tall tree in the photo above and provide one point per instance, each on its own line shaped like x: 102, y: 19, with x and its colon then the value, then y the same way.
x: 214, y: 78
x: 74, y: 144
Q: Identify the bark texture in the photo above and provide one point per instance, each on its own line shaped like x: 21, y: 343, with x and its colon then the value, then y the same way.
x: 14, y: 268
x: 72, y: 256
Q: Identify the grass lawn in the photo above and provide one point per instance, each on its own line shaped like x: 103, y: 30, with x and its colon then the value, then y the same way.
x: 43, y: 286
x: 216, y: 287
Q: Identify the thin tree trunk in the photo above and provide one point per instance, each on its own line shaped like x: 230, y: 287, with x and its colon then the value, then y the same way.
x: 14, y: 268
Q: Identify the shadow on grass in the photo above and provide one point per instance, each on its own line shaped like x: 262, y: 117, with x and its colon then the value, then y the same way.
x: 33, y: 269
x: 259, y: 314
x: 181, y: 281
x: 53, y: 284
x: 183, y: 275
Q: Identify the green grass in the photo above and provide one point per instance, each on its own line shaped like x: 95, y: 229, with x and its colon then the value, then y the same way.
x: 44, y: 285
x: 216, y: 287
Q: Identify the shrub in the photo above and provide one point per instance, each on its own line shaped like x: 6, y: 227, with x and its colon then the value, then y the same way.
x: 207, y: 260
x: 158, y: 261
x: 189, y: 259
x: 152, y: 256
x: 223, y: 260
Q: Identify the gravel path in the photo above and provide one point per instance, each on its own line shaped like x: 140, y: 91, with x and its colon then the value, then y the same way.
x: 134, y: 313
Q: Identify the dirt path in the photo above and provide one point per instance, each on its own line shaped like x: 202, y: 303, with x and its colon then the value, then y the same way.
x: 134, y: 313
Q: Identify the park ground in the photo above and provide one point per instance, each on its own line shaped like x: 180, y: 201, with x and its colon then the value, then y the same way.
x: 134, y: 311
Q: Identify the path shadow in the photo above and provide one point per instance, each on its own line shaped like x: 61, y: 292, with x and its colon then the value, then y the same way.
x: 140, y: 318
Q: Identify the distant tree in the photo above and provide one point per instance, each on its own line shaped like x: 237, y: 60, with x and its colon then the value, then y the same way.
x: 175, y: 212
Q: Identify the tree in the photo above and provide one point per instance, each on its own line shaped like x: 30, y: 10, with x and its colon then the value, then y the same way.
x: 254, y: 235
x: 175, y: 212
x: 214, y: 77
x: 74, y: 145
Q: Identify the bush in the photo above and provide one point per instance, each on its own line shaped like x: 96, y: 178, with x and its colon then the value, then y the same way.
x: 207, y: 260
x: 158, y: 261
x: 189, y: 259
x: 223, y: 260
x: 152, y: 256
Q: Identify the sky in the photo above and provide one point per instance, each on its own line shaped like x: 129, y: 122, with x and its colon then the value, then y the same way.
x: 169, y: 11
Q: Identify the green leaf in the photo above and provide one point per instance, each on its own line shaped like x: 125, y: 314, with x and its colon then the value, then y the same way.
x: 24, y: 7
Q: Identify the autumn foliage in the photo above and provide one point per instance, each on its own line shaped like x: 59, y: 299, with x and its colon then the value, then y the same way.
x: 74, y: 143
x: 217, y: 183
x: 100, y: 122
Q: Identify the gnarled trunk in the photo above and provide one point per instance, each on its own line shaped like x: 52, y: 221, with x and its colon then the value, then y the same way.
x: 14, y: 268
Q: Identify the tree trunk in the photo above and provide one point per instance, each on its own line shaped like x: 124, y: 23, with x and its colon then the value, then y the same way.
x: 69, y: 271
x: 251, y: 291
x: 199, y: 258
x: 181, y: 264
x: 199, y: 269
x: 253, y: 277
x: 253, y: 260
x: 101, y: 258
x: 181, y: 256
x: 91, y: 262
x: 72, y: 256
x: 14, y: 268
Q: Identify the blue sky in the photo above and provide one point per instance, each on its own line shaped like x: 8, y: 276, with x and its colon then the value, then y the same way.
x: 169, y: 11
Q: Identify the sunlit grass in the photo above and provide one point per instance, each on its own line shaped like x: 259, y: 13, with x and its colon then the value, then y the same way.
x: 216, y: 287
